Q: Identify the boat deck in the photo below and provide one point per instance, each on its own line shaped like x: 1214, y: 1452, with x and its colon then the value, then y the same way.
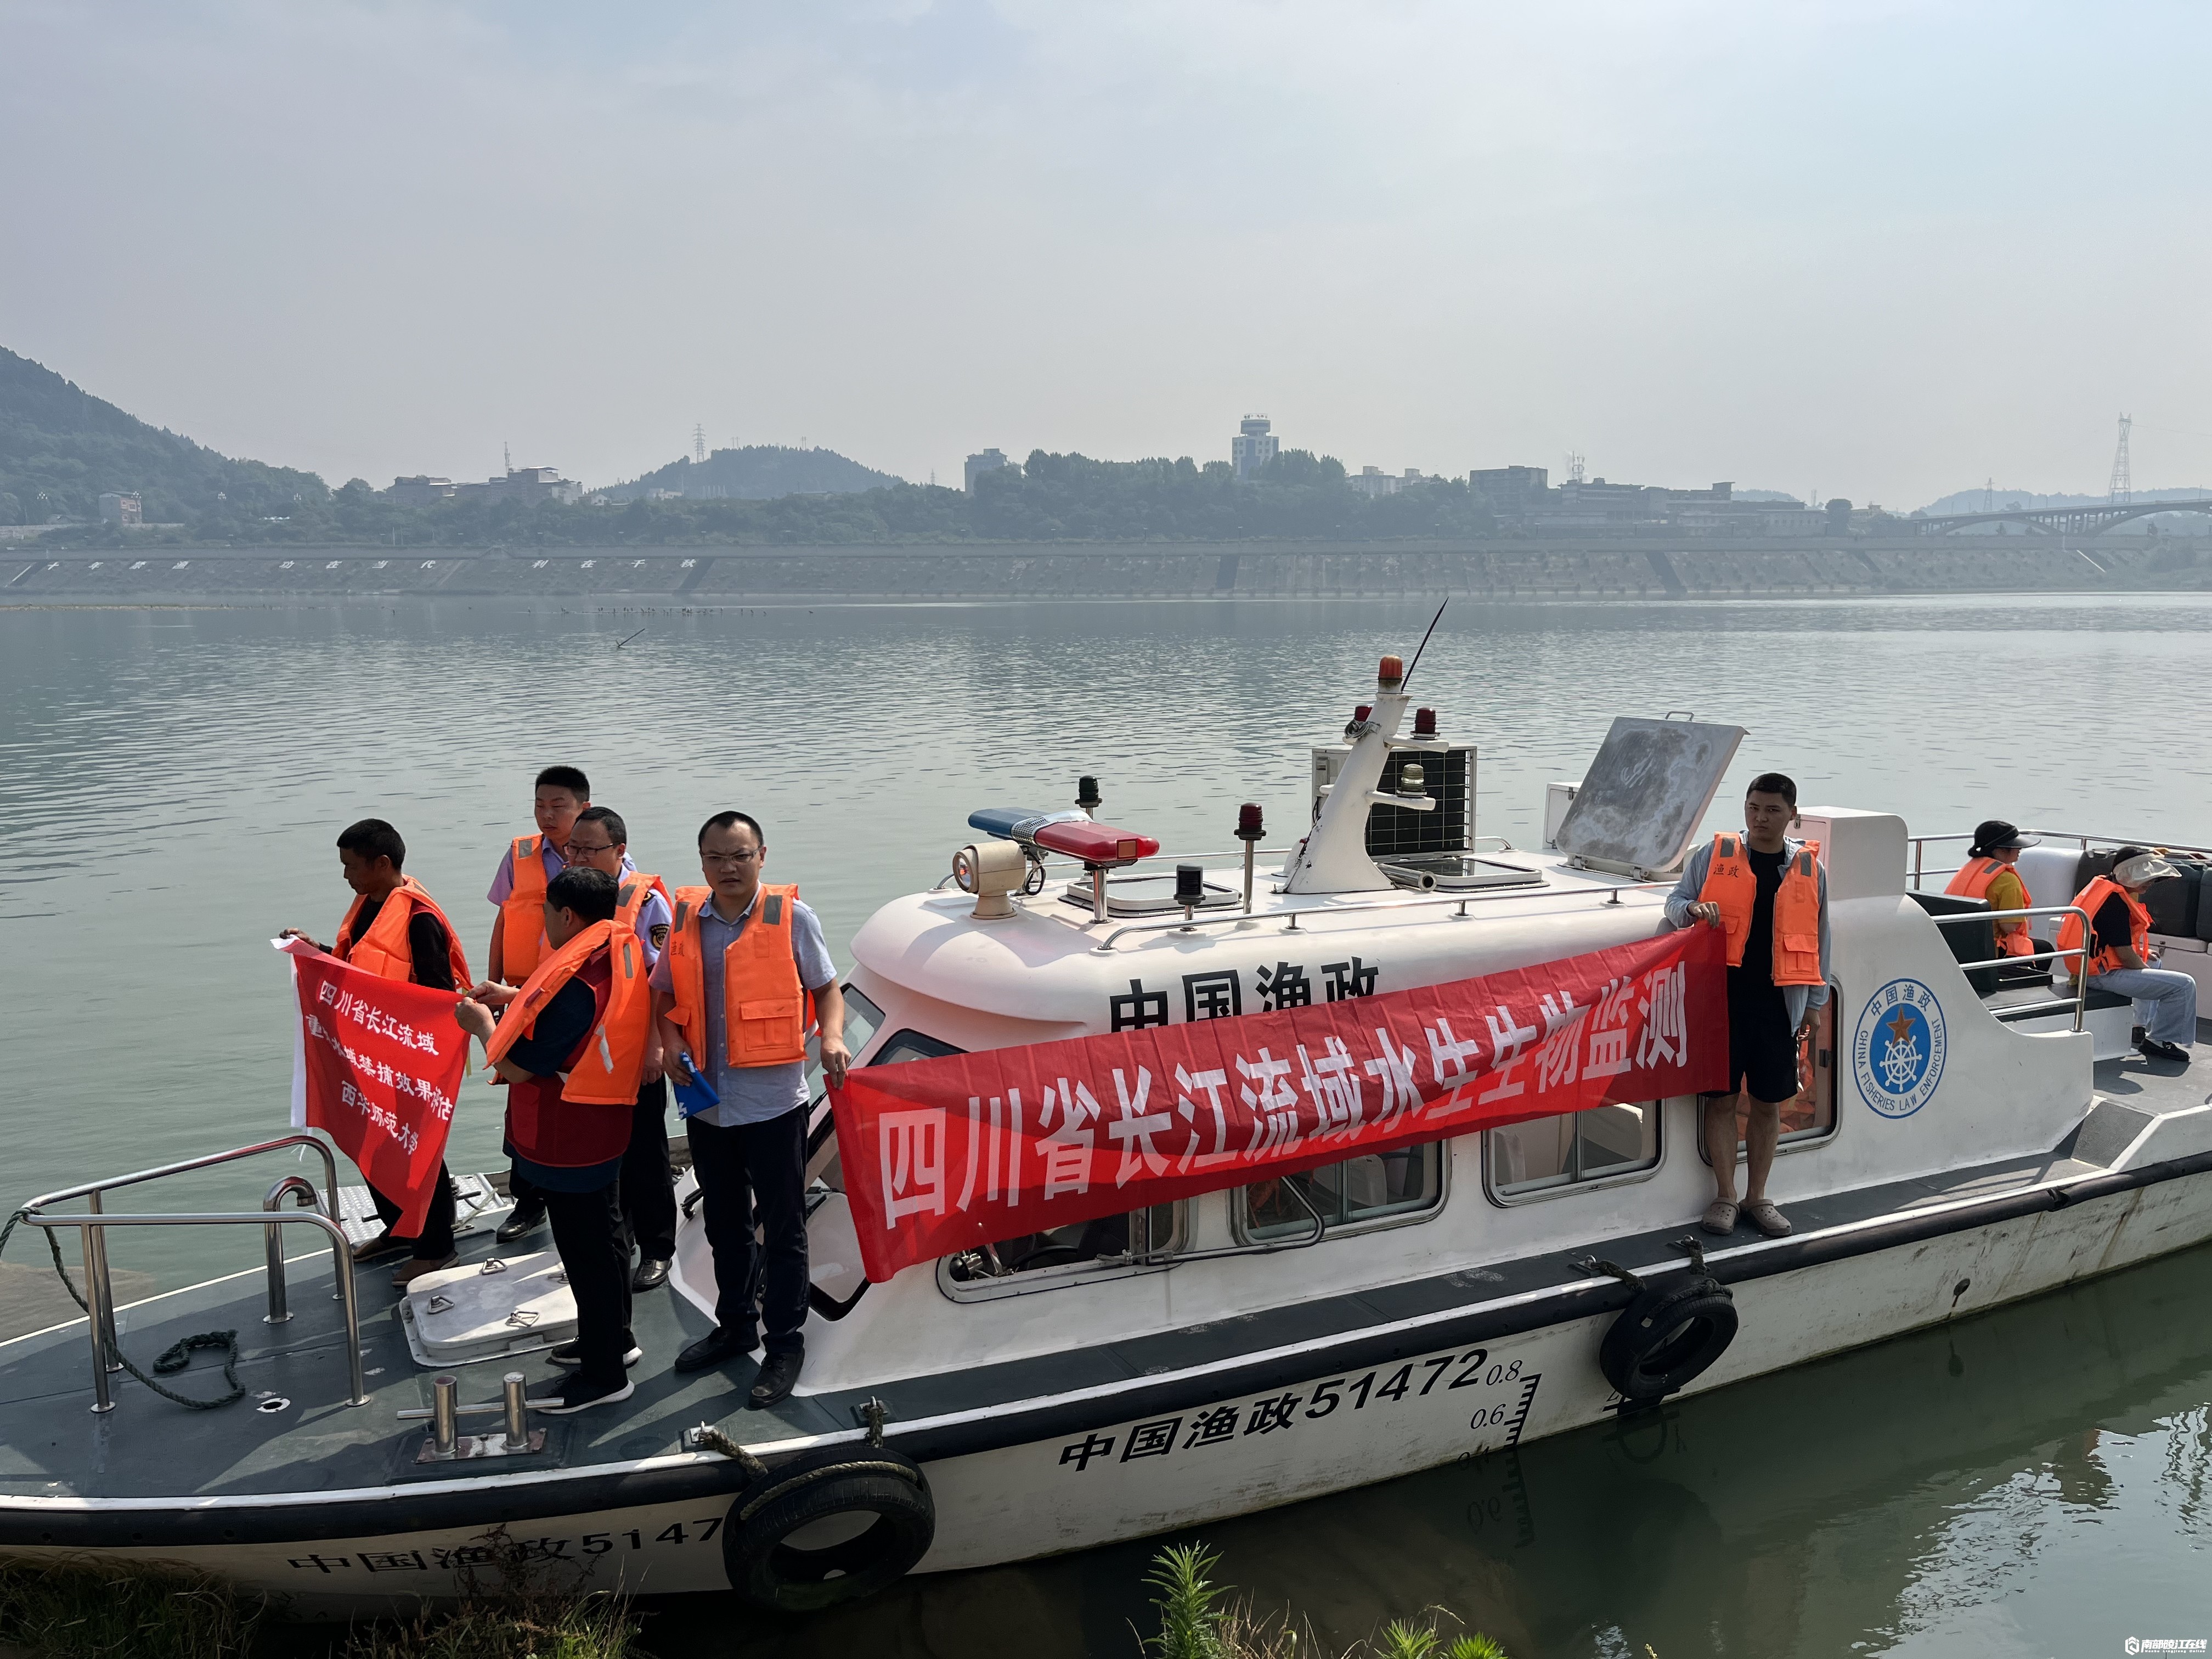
x: 149, y: 1448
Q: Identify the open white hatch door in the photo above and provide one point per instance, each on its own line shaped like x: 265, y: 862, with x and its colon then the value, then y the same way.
x: 1646, y: 793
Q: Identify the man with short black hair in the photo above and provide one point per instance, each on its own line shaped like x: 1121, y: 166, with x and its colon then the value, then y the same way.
x: 569, y: 1045
x: 732, y: 990
x: 601, y: 841
x: 2123, y: 961
x: 1771, y: 895
x: 395, y: 930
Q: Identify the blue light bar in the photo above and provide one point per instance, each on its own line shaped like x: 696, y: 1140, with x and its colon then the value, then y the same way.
x: 1016, y: 824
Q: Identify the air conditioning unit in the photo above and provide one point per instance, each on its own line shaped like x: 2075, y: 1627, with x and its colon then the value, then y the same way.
x: 1393, y: 831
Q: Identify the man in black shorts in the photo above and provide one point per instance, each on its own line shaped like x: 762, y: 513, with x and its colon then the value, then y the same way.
x: 1771, y: 895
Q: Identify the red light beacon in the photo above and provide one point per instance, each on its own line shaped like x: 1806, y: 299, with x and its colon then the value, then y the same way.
x: 1100, y: 848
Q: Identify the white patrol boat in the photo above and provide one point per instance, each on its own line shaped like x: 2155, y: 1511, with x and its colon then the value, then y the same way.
x: 1968, y: 1136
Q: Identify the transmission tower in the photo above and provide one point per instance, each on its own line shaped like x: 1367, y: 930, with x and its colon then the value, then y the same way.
x: 1989, y: 495
x: 2123, y: 489
x: 699, y: 444
x: 1574, y: 466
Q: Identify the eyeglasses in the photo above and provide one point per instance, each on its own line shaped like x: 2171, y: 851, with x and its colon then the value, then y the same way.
x: 730, y: 860
x: 577, y: 849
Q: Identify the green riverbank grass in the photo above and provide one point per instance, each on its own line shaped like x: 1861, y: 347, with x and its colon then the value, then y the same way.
x: 1200, y: 1619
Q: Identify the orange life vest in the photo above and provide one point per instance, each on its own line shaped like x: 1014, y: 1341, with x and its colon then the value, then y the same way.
x: 1973, y: 882
x: 631, y: 897
x: 1730, y: 884
x: 607, y: 1070
x: 384, y: 950
x: 765, y: 1009
x: 2091, y: 899
x: 522, y: 943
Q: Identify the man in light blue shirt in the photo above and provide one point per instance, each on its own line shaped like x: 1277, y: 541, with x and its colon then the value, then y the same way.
x: 750, y: 1149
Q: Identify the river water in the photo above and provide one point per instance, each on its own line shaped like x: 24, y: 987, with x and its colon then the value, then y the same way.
x: 172, y: 780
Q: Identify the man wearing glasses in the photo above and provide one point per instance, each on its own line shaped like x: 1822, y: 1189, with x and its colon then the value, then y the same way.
x: 601, y: 841
x: 731, y: 991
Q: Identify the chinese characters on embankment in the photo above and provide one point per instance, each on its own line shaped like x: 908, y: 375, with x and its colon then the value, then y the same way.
x: 379, y: 1064
x: 949, y: 1154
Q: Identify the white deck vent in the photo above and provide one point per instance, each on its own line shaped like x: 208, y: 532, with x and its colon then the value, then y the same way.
x: 1646, y: 793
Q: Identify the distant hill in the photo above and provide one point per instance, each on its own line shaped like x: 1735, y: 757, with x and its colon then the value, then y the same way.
x: 1981, y: 500
x: 758, y: 472
x: 60, y: 441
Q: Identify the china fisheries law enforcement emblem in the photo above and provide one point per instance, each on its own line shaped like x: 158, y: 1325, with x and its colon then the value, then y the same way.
x: 1897, y: 1053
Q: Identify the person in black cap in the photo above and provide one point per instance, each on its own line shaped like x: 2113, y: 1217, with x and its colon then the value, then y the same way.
x: 1990, y: 873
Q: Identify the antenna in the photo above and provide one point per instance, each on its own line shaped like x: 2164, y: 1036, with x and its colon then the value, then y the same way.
x: 699, y: 444
x: 2121, y: 489
x: 1574, y: 466
x: 506, y: 452
x: 1424, y: 644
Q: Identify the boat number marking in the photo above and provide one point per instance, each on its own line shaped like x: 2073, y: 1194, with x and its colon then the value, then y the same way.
x: 1210, y: 1426
x: 510, y: 1552
x: 1897, y: 1050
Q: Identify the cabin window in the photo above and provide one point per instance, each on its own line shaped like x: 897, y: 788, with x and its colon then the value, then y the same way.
x: 1372, y: 1189
x: 863, y: 1019
x: 1547, y: 1155
x: 1811, y: 1116
x: 1072, y: 1255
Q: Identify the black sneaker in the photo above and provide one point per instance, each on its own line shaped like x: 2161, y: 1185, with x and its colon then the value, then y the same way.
x: 2172, y: 1051
x: 526, y: 1217
x: 575, y: 1394
x: 567, y: 1354
x: 778, y: 1372
x: 714, y: 1348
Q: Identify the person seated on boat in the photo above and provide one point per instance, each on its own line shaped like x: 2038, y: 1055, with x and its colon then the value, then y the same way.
x: 518, y: 937
x: 570, y: 1045
x: 743, y: 961
x: 1991, y: 874
x: 1770, y: 894
x: 601, y: 841
x: 395, y: 930
x: 2123, y: 961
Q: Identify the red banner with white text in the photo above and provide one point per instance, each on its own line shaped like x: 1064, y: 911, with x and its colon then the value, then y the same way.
x: 378, y: 1067
x: 951, y: 1154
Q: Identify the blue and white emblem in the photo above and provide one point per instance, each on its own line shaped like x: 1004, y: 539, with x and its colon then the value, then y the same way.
x: 1897, y: 1053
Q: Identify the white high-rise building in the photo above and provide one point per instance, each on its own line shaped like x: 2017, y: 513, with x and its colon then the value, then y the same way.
x: 1253, y: 446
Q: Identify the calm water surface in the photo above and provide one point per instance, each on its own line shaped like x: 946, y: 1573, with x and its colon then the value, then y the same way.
x: 172, y: 781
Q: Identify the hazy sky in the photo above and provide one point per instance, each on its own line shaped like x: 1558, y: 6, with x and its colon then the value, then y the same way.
x: 1882, y: 249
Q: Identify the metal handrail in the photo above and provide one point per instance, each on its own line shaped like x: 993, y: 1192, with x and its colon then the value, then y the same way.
x: 92, y: 1224
x: 2080, y: 1000
x: 1920, y: 844
x: 1612, y: 896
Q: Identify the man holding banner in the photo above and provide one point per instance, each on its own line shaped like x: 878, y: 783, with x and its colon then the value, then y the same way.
x: 395, y: 931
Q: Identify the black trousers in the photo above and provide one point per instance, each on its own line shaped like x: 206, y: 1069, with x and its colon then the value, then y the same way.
x: 648, y: 1192
x: 435, y: 1242
x: 756, y: 1167
x: 587, y: 1231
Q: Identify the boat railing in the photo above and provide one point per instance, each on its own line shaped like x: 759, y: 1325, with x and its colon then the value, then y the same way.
x: 1289, y: 919
x: 2079, y: 1002
x: 94, y: 1221
x: 1920, y: 845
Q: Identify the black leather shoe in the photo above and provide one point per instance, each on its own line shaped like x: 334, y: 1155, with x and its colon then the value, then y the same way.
x: 526, y: 1217
x: 2172, y: 1051
x: 777, y: 1374
x: 651, y: 1275
x: 714, y: 1348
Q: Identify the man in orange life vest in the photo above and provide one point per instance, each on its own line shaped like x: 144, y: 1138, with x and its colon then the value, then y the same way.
x: 732, y: 990
x: 601, y: 841
x: 518, y: 932
x: 570, y: 1046
x: 1991, y: 874
x: 2123, y: 961
x: 396, y: 931
x: 1771, y: 896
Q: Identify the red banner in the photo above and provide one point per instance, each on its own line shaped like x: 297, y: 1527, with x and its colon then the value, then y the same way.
x: 379, y: 1064
x: 951, y: 1154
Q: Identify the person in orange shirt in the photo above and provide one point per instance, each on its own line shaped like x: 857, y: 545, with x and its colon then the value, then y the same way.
x: 395, y: 929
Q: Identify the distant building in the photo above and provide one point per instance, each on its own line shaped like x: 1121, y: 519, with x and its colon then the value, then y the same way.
x: 1373, y: 481
x: 989, y: 460
x: 420, y: 490
x: 120, y: 506
x: 1254, y: 446
x: 523, y: 483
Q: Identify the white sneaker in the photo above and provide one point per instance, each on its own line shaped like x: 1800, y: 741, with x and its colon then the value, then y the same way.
x: 576, y: 1395
x: 565, y: 1354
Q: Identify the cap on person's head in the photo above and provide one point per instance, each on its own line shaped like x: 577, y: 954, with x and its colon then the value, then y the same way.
x: 1993, y: 835
x: 2139, y: 868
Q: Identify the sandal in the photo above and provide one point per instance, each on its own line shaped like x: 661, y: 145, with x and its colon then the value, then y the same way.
x: 1769, y: 1220
x: 1720, y: 1217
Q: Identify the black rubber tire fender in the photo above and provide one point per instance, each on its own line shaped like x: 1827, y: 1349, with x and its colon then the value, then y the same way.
x: 1666, y: 1337
x: 816, y: 1486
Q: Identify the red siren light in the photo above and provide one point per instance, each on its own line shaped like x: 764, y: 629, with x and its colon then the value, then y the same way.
x: 1393, y: 670
x: 1424, y: 722
x: 1096, y: 844
x: 1363, y: 710
x: 1248, y: 823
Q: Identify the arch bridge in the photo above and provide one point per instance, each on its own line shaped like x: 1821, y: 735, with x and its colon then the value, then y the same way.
x: 2079, y: 521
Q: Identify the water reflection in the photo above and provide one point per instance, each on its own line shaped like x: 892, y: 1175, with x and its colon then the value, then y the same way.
x: 2028, y: 1481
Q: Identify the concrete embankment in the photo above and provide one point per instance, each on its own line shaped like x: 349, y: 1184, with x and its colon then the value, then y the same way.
x: 1109, y: 570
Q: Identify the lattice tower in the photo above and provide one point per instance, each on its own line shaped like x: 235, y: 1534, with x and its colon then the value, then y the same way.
x: 2121, y: 489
